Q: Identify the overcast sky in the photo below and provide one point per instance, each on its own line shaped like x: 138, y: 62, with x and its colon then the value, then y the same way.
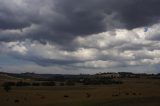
x: 80, y: 36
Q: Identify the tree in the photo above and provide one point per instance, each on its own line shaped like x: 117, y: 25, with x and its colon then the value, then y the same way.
x: 7, y: 87
x: 70, y: 83
x: 50, y: 83
x: 62, y: 84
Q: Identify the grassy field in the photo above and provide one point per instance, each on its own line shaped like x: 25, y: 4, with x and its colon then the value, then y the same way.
x: 134, y: 92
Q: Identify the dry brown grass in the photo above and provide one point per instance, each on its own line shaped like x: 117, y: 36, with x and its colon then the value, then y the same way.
x: 134, y: 92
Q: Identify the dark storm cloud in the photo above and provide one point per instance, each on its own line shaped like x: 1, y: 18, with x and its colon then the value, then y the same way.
x: 91, y: 16
x: 62, y: 20
x: 141, y: 13
x: 13, y: 18
x: 9, y: 20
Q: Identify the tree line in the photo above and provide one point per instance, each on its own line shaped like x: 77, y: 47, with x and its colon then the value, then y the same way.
x: 68, y: 82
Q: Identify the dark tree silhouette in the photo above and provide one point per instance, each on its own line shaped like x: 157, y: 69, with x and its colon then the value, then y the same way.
x: 7, y: 87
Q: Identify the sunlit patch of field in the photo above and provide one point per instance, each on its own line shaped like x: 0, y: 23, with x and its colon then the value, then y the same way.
x: 134, y: 92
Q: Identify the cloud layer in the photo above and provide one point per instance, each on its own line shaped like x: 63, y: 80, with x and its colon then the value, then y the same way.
x: 52, y: 19
x: 82, y: 35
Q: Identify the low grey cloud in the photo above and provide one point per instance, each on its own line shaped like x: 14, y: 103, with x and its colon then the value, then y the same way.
x: 98, y: 51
